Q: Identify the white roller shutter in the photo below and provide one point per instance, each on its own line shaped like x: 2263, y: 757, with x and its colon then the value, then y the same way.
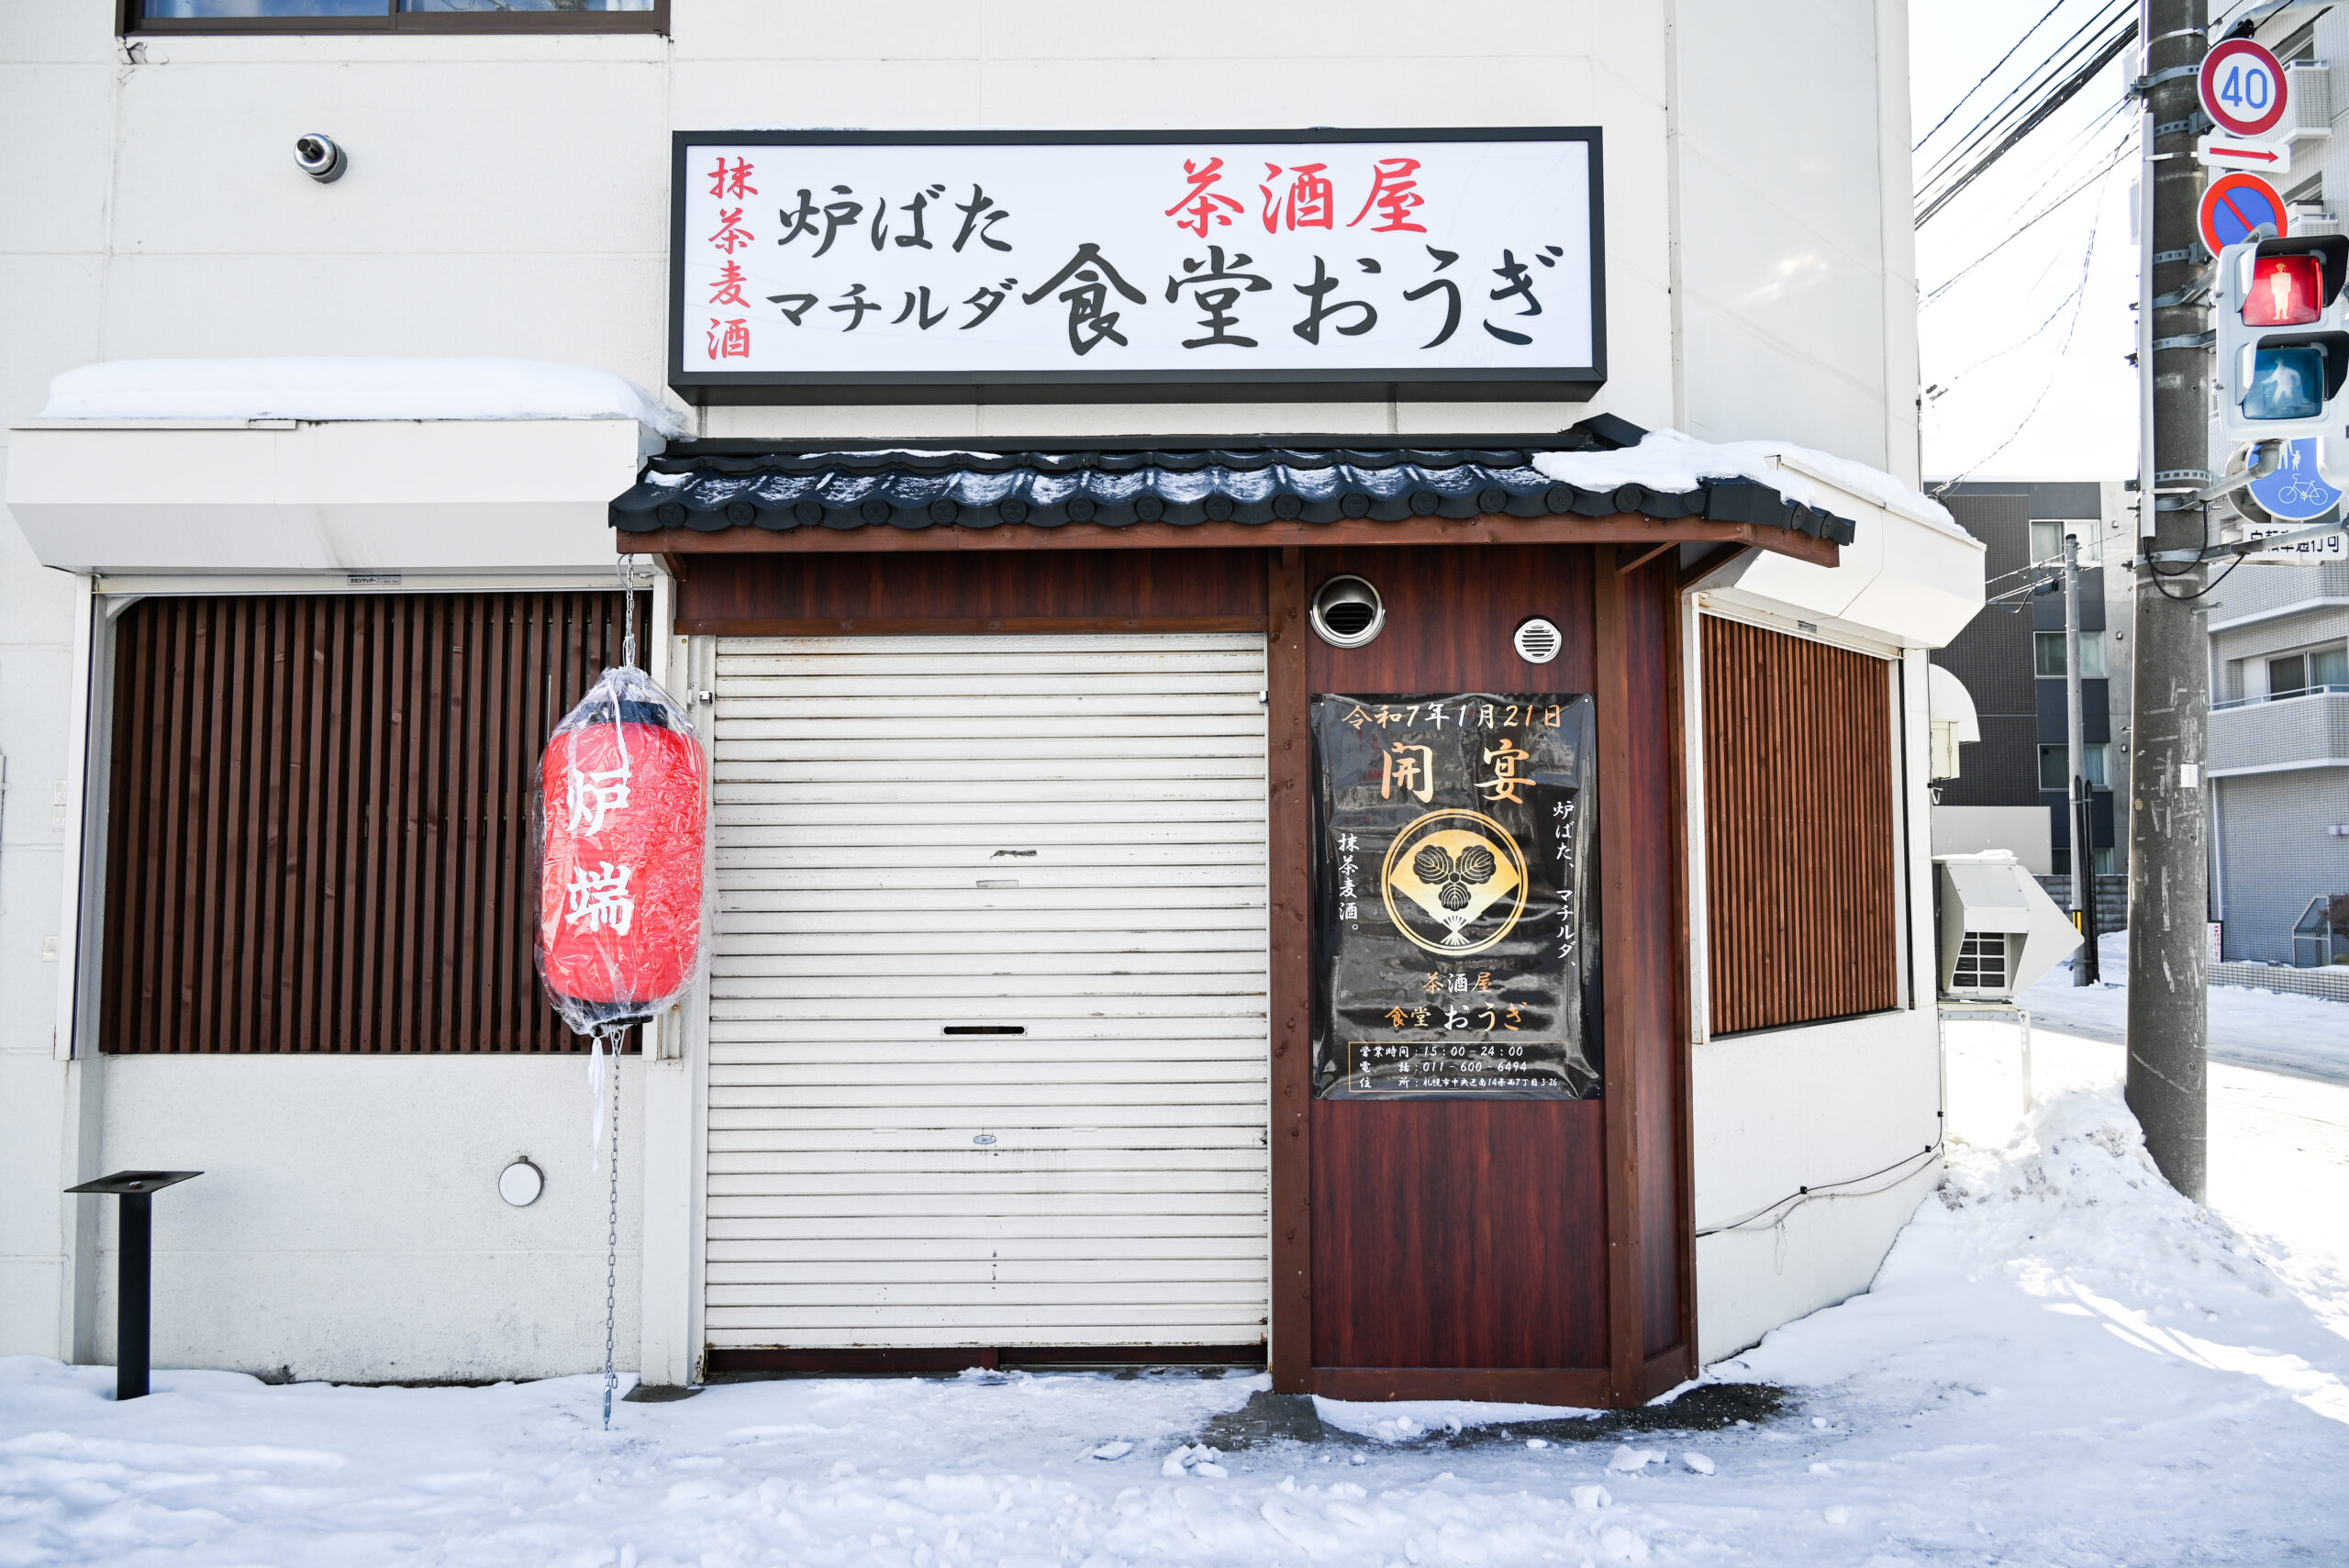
x: 1061, y: 835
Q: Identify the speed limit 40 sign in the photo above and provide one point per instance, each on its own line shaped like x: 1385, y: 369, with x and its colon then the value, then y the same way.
x: 2243, y: 88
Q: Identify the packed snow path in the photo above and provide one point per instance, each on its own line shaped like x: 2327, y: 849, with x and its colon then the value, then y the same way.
x: 2063, y: 1363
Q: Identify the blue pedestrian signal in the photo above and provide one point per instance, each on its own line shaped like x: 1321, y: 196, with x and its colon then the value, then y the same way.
x: 2283, y: 339
x: 2285, y: 384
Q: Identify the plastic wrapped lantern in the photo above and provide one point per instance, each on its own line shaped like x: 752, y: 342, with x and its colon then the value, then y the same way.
x: 625, y: 798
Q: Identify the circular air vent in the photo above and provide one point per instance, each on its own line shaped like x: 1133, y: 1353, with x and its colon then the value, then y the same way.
x: 1538, y: 641
x: 1347, y: 612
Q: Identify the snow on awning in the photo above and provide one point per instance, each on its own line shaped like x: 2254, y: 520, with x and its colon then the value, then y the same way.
x: 333, y: 389
x: 908, y: 488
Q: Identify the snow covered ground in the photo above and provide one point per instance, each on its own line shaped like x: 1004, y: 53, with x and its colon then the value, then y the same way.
x: 2063, y: 1363
x: 2306, y: 1036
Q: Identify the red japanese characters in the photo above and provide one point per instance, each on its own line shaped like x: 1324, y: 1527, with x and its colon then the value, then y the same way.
x: 625, y: 801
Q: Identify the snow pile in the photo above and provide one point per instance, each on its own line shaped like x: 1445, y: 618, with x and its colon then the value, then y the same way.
x: 343, y: 389
x: 1668, y: 460
x: 2271, y: 1030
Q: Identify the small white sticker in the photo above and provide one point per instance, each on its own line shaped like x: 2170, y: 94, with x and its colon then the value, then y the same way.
x: 2189, y: 775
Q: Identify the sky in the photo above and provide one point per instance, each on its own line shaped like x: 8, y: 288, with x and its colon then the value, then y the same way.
x: 2024, y: 343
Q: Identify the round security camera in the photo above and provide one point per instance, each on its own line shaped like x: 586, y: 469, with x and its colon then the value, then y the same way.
x: 318, y: 157
x: 1347, y: 612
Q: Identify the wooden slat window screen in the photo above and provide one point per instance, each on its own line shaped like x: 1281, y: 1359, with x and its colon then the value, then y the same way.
x: 1802, y: 860
x: 319, y: 830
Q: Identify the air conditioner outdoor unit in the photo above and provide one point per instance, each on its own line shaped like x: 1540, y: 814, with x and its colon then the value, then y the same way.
x: 2309, y: 99
x: 1999, y: 930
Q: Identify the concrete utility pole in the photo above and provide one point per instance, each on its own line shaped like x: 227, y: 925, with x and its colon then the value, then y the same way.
x: 2078, y: 797
x: 2168, y: 869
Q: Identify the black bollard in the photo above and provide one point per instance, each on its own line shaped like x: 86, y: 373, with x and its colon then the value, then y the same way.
x: 135, y: 1268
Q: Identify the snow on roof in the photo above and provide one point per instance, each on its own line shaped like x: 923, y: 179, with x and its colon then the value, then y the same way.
x: 340, y: 388
x: 1666, y: 460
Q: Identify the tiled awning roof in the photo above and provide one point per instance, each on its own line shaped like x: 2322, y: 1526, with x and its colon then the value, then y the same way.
x: 906, y: 488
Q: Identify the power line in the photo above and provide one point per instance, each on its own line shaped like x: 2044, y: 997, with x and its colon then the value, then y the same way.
x: 2080, y: 297
x: 2018, y: 98
x: 2047, y: 105
x: 2119, y: 155
x: 1987, y: 75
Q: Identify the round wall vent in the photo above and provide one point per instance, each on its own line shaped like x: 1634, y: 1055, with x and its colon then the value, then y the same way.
x: 1538, y: 641
x: 1347, y: 612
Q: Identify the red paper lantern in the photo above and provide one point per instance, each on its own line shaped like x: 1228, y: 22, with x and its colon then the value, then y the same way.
x: 625, y: 795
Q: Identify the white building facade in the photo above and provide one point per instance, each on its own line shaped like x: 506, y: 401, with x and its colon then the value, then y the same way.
x: 508, y: 194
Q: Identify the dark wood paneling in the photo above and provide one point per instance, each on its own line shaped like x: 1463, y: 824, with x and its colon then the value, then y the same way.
x: 1650, y: 930
x: 1458, y: 1233
x: 1583, y: 1389
x: 1802, y: 876
x: 1623, y: 528
x: 319, y: 818
x: 1289, y: 767
x: 1625, y: 963
x: 899, y: 595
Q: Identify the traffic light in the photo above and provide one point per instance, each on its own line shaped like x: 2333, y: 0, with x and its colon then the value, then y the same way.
x: 2283, y: 338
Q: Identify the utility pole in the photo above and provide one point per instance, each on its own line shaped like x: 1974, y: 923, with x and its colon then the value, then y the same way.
x: 2168, y: 869
x: 2080, y: 799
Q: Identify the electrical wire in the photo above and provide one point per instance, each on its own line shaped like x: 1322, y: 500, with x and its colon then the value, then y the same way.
x: 2080, y: 299
x: 2031, y: 81
x: 2120, y: 153
x: 2024, y: 100
x: 1987, y: 75
x: 2053, y: 100
x: 2028, y: 338
x: 1801, y: 1196
x: 2036, y: 80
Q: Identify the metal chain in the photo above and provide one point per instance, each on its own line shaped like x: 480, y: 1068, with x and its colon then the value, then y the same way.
x: 612, y: 1240
x: 625, y: 567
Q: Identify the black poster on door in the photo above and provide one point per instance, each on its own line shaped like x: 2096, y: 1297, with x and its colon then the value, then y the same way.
x: 1455, y: 948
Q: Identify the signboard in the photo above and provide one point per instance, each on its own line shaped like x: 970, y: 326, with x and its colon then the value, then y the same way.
x: 2329, y: 548
x: 2243, y: 88
x: 2234, y: 205
x: 2216, y: 151
x: 2296, y: 491
x: 1455, y: 948
x: 806, y: 264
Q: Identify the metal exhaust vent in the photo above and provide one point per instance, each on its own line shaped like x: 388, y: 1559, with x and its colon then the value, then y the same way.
x: 1538, y: 641
x: 1347, y: 612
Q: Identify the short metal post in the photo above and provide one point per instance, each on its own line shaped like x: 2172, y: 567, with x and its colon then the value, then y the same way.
x: 2024, y: 1018
x: 134, y: 1287
x: 134, y: 1269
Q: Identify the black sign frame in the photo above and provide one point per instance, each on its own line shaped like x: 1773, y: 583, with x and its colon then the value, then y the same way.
x: 1565, y: 384
x: 1529, y: 807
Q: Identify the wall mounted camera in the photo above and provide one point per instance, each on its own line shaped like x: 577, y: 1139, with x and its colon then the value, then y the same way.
x: 320, y: 157
x: 1347, y: 612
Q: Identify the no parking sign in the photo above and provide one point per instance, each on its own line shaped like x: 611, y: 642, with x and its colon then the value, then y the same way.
x: 2235, y: 204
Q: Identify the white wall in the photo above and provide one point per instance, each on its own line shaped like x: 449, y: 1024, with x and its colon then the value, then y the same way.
x: 1970, y: 829
x: 1782, y: 1109
x: 347, y: 1225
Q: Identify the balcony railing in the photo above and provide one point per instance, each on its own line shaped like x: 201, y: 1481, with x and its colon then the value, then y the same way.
x: 2306, y: 729
x: 2277, y: 696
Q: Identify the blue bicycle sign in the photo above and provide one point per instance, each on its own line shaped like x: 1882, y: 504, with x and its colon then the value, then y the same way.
x: 2296, y: 491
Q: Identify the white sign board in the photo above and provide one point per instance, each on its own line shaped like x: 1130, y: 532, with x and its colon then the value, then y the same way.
x: 2332, y: 547
x: 1281, y: 263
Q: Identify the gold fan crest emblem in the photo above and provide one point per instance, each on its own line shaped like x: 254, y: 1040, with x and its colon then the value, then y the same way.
x: 1445, y: 872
